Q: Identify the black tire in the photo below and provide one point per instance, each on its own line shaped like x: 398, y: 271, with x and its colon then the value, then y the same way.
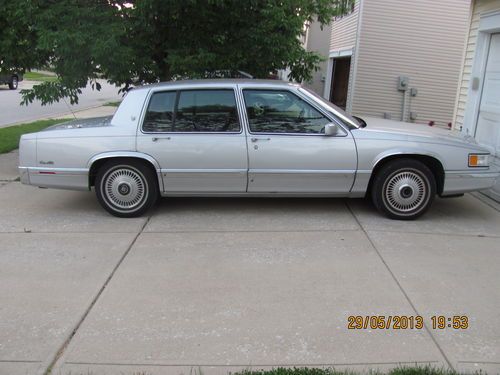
x: 13, y: 83
x: 126, y: 188
x: 403, y: 189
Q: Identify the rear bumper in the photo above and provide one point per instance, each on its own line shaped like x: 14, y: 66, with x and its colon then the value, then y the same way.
x: 458, y: 182
x: 58, y: 178
x: 24, y: 175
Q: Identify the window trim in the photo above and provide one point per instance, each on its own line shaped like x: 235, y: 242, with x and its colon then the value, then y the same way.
x: 300, y: 96
x: 177, y: 96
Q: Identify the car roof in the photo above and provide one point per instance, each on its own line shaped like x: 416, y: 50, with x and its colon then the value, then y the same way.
x: 218, y: 81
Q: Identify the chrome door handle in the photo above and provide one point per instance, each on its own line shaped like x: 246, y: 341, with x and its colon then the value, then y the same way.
x: 259, y: 139
x: 155, y: 139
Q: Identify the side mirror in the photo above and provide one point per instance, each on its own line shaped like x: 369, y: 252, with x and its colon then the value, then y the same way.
x: 332, y: 129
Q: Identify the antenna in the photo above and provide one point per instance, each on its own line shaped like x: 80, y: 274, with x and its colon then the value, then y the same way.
x: 69, y: 108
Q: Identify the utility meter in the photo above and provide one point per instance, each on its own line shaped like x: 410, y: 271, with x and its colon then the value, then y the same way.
x: 403, y: 83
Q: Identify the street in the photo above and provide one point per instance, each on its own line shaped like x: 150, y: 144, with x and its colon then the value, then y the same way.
x: 11, y: 112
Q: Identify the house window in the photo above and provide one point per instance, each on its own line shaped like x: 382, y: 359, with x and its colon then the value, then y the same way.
x: 344, y: 8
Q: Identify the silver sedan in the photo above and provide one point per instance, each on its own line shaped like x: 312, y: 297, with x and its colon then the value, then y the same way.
x: 250, y: 138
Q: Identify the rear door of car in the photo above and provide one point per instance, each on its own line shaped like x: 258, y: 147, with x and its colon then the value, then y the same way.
x: 196, y: 134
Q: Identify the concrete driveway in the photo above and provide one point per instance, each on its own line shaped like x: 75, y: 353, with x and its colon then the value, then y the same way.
x: 226, y: 284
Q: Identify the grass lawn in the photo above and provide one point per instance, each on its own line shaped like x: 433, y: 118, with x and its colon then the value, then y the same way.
x: 112, y: 104
x: 9, y: 136
x: 35, y: 76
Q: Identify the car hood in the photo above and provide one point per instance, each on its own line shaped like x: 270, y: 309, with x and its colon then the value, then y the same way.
x: 389, y: 129
x: 93, y: 122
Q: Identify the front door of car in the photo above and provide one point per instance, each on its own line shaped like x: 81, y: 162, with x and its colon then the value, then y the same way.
x: 196, y: 136
x: 288, y: 150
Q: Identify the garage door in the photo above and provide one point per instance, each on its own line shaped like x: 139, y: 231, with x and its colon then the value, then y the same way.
x: 488, y: 123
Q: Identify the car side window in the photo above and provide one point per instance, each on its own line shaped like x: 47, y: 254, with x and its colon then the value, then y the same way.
x: 280, y: 111
x: 206, y: 111
x: 195, y: 111
x: 160, y: 113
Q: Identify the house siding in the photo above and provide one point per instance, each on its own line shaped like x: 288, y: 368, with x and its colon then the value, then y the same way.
x: 423, y: 40
x: 318, y: 38
x: 343, y: 38
x: 344, y: 31
x: 480, y: 7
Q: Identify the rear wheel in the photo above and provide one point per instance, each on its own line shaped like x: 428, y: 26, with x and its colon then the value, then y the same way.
x: 403, y: 189
x: 13, y: 83
x: 126, y: 188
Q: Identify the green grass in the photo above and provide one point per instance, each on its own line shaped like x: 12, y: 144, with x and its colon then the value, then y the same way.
x: 35, y: 76
x: 112, y: 104
x: 9, y: 136
x: 426, y: 370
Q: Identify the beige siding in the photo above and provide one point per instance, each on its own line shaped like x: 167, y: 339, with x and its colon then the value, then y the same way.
x: 318, y: 39
x: 344, y: 31
x: 480, y: 7
x: 423, y: 40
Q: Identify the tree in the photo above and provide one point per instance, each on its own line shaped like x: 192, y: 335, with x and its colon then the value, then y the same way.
x: 145, y: 41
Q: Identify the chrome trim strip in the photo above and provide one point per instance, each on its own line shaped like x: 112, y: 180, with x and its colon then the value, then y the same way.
x: 123, y: 154
x: 203, y: 171
x: 60, y: 171
x: 303, y: 171
x: 231, y: 87
x: 472, y: 174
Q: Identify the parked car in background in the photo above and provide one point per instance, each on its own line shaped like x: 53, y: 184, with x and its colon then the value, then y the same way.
x: 12, y: 79
x: 250, y: 138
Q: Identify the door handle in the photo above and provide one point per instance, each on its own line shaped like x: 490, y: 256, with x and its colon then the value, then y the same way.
x: 156, y: 139
x: 259, y: 139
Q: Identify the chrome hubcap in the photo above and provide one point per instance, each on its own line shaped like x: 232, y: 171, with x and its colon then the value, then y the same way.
x: 405, y: 191
x: 125, y: 188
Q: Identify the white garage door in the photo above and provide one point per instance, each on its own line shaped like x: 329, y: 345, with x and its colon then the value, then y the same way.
x: 488, y: 123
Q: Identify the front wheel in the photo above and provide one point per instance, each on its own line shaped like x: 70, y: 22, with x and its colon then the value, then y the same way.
x: 403, y: 189
x: 126, y: 188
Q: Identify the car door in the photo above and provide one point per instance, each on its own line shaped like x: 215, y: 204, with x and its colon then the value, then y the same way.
x: 197, y: 138
x: 288, y: 151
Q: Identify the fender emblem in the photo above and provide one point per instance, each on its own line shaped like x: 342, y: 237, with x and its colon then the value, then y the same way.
x: 49, y: 162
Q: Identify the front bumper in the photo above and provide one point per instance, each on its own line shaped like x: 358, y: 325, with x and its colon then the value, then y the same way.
x: 459, y: 182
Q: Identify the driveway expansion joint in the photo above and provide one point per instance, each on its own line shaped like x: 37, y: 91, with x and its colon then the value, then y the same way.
x: 401, y: 288
x: 480, y: 235
x: 253, y: 365
x: 51, y: 364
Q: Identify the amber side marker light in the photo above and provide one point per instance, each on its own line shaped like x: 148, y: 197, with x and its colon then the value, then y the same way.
x: 478, y: 160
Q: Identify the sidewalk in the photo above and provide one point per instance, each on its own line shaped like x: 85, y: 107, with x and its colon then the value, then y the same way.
x: 97, y: 111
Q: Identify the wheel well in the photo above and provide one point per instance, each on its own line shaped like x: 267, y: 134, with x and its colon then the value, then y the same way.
x: 100, y: 162
x: 432, y: 163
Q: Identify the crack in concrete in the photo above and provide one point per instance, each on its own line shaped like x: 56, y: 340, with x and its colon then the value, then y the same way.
x: 51, y: 363
x: 329, y: 364
x: 386, y: 265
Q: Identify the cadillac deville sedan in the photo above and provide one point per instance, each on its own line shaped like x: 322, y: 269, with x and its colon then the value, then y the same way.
x: 250, y: 138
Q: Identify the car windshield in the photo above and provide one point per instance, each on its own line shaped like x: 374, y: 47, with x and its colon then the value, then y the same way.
x: 336, y: 111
